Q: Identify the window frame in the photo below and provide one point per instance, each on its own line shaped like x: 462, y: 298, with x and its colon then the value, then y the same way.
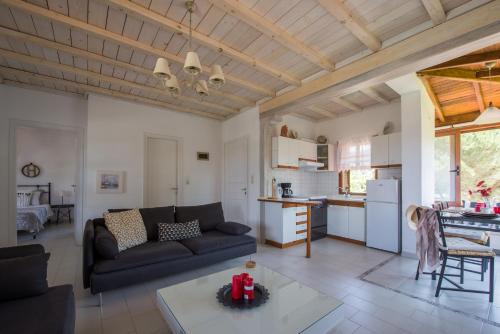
x: 346, y: 174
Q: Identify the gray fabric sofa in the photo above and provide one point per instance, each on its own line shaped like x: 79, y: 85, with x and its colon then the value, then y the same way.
x: 51, y: 311
x: 155, y: 259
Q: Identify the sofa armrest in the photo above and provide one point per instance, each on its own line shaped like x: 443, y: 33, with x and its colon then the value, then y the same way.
x: 19, y: 251
x: 88, y: 252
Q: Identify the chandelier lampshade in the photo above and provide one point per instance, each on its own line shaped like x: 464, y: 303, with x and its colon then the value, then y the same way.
x: 489, y: 115
x: 162, y: 70
x: 201, y: 88
x: 173, y: 85
x: 192, y: 65
x: 217, y: 76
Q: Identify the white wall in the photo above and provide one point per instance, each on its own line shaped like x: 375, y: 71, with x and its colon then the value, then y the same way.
x: 19, y: 104
x: 368, y: 122
x: 55, y: 152
x: 115, y: 141
x: 247, y: 124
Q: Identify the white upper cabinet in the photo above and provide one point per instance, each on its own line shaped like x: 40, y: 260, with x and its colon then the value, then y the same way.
x: 380, y: 151
x: 307, y: 150
x: 395, y: 148
x: 386, y: 150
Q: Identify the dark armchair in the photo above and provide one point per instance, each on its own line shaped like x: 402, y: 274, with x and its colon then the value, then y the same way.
x: 27, y: 304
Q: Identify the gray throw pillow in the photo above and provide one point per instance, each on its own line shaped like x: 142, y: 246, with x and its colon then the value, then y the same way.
x: 233, y: 228
x: 178, y: 231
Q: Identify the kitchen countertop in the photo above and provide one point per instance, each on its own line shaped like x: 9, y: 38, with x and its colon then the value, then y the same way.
x: 287, y: 200
x: 347, y: 199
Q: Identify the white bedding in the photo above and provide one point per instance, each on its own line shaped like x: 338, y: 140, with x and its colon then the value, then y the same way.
x: 32, y: 218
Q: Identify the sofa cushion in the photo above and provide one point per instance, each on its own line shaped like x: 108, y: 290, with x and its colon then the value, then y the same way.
x: 127, y: 227
x: 233, y: 228
x: 23, y: 276
x: 153, y: 216
x: 208, y: 215
x: 51, y: 312
x: 105, y: 243
x: 148, y: 253
x: 215, y: 240
x: 178, y: 231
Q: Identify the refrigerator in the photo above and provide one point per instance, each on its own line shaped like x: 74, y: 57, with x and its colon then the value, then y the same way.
x: 383, y: 215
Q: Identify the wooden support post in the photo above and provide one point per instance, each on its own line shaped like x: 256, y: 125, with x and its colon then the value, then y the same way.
x: 308, y: 245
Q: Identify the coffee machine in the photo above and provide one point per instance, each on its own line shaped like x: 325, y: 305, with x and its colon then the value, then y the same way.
x: 286, y: 190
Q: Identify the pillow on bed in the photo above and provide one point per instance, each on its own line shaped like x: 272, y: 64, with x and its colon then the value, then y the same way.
x: 35, y: 197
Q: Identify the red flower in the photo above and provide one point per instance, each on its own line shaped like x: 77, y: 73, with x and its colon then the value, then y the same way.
x: 470, y: 192
x: 480, y: 183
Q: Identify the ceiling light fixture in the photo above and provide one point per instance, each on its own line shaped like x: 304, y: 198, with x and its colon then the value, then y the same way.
x: 492, y: 113
x: 192, y: 67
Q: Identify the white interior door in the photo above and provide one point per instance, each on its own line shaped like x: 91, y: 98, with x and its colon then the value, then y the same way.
x: 236, y: 180
x: 161, y: 173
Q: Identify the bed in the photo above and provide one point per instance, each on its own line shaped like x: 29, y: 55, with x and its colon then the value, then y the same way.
x: 31, y: 217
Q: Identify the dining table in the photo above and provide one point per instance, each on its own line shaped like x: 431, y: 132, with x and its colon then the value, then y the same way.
x: 453, y: 217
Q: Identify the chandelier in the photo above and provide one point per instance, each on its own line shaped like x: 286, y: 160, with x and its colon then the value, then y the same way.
x: 192, y: 67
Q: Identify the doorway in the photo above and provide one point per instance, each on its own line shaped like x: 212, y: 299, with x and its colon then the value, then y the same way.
x: 162, y: 181
x: 235, y: 202
x: 45, y: 174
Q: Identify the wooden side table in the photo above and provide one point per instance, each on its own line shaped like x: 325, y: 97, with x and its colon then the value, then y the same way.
x: 66, y: 207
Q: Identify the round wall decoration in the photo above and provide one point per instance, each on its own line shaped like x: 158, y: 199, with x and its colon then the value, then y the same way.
x: 30, y: 170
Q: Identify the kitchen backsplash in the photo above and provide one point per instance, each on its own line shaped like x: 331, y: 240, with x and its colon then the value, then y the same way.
x: 321, y: 183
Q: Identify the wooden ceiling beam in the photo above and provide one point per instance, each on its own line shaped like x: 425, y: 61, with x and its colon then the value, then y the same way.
x: 321, y: 111
x: 458, y: 74
x: 103, y: 91
x: 434, y: 98
x: 467, y: 60
x: 373, y: 94
x: 88, y: 74
x: 347, y: 104
x: 470, y: 30
x: 247, y: 15
x: 458, y: 119
x: 479, y: 96
x: 121, y: 40
x: 162, y: 21
x: 104, y: 60
x: 495, y: 73
x: 343, y: 14
x: 435, y: 10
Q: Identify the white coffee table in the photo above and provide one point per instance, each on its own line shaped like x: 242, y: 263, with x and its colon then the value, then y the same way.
x: 192, y: 306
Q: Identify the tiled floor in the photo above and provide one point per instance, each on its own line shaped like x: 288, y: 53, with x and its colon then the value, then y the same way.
x: 334, y: 269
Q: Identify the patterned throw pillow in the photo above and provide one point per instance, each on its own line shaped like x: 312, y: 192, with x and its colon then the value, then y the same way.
x: 127, y: 228
x: 178, y: 231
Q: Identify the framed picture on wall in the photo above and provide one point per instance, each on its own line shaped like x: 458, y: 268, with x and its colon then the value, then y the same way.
x: 110, y: 182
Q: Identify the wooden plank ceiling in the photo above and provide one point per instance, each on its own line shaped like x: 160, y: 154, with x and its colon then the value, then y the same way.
x: 462, y: 88
x: 266, y: 47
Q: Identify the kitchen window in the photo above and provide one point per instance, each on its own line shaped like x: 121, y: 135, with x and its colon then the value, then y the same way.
x: 355, y: 180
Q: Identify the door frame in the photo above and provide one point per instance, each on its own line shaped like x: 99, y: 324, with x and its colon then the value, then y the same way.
x: 246, y: 138
x: 80, y: 193
x: 180, y: 185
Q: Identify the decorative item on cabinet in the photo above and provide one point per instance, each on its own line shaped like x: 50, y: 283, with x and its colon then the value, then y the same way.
x: 321, y: 140
x: 284, y: 131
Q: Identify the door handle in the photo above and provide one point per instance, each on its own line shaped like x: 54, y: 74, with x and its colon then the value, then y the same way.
x: 457, y: 170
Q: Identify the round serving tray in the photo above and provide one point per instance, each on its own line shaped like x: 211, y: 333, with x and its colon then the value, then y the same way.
x: 224, y: 297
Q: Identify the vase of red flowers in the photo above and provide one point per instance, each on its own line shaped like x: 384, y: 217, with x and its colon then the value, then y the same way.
x: 484, y: 192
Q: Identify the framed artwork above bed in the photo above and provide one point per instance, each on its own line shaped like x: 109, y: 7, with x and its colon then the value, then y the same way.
x: 110, y: 182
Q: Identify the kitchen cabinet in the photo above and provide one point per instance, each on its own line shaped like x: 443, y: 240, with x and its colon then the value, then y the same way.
x: 326, y: 155
x: 395, y: 149
x: 307, y: 150
x: 284, y: 225
x: 285, y: 153
x: 338, y: 220
x: 347, y: 222
x: 386, y: 150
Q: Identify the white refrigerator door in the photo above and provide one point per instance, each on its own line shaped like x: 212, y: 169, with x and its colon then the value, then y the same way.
x: 382, y: 228
x: 382, y: 191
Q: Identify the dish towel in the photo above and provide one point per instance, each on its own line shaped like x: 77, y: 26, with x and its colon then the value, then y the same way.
x: 428, y: 239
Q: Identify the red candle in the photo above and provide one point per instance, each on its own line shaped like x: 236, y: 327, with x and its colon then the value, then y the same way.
x: 248, y: 289
x: 236, y: 288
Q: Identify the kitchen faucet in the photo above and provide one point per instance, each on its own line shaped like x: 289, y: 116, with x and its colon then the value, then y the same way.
x: 345, y: 190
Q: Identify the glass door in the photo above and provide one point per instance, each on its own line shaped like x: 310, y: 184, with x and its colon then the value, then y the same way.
x: 446, y: 171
